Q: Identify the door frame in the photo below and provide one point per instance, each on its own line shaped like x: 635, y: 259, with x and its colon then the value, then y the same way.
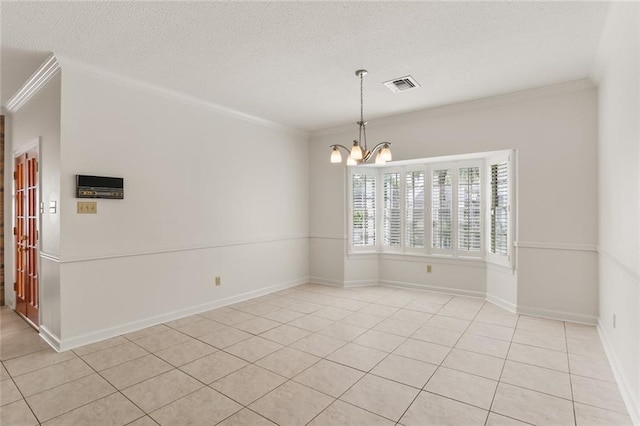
x: 32, y: 145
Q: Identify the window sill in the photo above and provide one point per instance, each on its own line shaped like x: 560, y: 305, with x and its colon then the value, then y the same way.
x: 477, y: 262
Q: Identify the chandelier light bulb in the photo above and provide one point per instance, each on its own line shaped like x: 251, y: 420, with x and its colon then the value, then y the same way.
x: 336, y: 157
x: 356, y: 151
x: 351, y: 161
x: 379, y: 158
x: 385, y: 152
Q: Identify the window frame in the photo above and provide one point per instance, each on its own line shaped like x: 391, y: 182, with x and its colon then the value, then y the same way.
x: 371, y: 172
x: 403, y: 179
x: 482, y: 161
x: 455, y: 167
x: 382, y: 172
x: 480, y: 164
x: 493, y: 258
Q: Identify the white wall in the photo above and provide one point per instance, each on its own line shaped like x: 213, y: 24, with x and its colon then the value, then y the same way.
x: 206, y: 194
x: 554, y: 131
x: 618, y: 73
x: 39, y: 118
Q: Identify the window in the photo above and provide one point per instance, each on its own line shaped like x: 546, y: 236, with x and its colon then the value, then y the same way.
x: 469, y: 209
x: 391, y: 209
x: 458, y: 208
x: 441, y: 207
x: 499, y: 236
x: 414, y: 209
x: 364, y: 210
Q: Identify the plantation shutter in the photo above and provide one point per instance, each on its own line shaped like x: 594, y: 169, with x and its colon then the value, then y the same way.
x: 469, y: 209
x: 499, y: 209
x: 441, y: 208
x: 414, y: 209
x: 364, y: 210
x: 391, y: 209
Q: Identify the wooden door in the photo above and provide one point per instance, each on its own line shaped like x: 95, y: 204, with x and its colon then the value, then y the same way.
x: 26, y: 233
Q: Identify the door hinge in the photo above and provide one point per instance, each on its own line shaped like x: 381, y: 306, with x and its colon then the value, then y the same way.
x: 15, y: 175
x: 37, y: 235
x: 15, y: 286
x: 15, y: 231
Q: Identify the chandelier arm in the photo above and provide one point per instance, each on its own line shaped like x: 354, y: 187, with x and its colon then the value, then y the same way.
x: 343, y: 147
x: 368, y: 154
x: 379, y: 146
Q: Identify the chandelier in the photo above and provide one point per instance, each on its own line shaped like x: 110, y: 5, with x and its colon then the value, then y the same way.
x: 359, y: 153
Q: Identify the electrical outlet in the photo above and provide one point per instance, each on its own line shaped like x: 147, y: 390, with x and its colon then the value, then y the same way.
x: 87, y: 207
x: 614, y: 320
x: 218, y: 281
x: 428, y: 269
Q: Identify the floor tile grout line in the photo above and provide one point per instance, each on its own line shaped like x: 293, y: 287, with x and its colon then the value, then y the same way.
x: 244, y: 408
x: 120, y: 391
x: 357, y: 381
x: 122, y: 362
x: 141, y: 417
x: 110, y: 384
x: 59, y: 384
x: 100, y: 350
x: 338, y: 398
x: 148, y: 351
x: 495, y: 392
x: 20, y: 356
x: 40, y: 368
x: 438, y: 366
x: 573, y: 402
x: 62, y: 384
x: 448, y: 353
x: 23, y: 399
x: 602, y: 408
x: 536, y: 365
x: 88, y: 403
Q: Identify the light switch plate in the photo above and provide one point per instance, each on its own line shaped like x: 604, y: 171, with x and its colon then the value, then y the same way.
x: 87, y: 207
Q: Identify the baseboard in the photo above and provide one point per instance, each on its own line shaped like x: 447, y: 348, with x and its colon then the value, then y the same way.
x: 85, y: 339
x: 50, y: 338
x: 558, y: 315
x: 360, y: 283
x: 436, y: 289
x: 501, y: 303
x: 623, y: 385
x: 345, y: 284
x: 326, y: 281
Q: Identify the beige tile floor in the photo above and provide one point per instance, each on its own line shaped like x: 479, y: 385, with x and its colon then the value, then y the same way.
x: 319, y: 355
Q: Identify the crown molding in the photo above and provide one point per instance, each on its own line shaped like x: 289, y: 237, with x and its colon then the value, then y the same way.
x: 73, y: 65
x: 49, y: 68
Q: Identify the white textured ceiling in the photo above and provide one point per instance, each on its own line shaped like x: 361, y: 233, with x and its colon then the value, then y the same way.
x: 294, y: 62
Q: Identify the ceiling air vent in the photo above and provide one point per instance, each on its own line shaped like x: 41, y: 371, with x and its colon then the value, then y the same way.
x: 402, y: 84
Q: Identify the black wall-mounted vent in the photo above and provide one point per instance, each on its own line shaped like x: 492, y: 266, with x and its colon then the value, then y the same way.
x: 99, y: 187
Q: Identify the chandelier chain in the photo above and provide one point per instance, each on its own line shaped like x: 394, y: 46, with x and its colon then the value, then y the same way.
x: 362, y: 129
x: 361, y: 98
